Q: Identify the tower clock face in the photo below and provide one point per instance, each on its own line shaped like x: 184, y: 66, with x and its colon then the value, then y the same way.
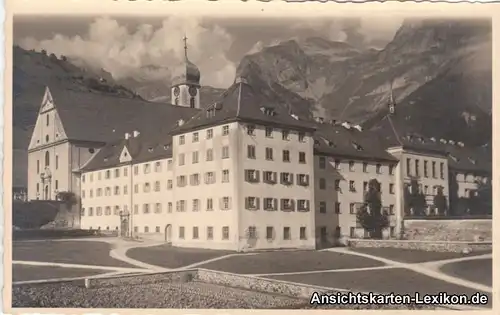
x: 176, y: 91
x: 193, y: 91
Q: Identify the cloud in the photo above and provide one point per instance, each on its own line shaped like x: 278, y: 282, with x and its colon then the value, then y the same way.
x: 258, y: 46
x: 147, y: 52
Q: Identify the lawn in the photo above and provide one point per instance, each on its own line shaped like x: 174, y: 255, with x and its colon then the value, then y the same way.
x: 173, y: 257
x: 26, y: 273
x: 70, y: 252
x: 412, y: 256
x: 478, y: 270
x: 293, y: 261
x: 396, y: 280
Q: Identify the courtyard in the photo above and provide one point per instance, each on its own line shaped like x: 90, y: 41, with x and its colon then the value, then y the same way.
x: 381, y: 270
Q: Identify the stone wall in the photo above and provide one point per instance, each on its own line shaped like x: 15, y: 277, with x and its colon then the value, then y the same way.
x: 449, y: 230
x: 433, y: 246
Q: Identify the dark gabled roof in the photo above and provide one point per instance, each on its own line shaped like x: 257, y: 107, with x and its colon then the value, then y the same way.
x: 459, y: 157
x: 244, y: 103
x: 142, y: 148
x: 88, y: 116
x: 336, y: 140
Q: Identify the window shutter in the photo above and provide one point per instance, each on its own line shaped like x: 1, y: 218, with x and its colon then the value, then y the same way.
x: 257, y: 203
x: 291, y: 178
x: 292, y: 204
x: 246, y: 175
x: 282, y: 178
x: 275, y: 204
x: 257, y: 176
x: 247, y: 203
x: 282, y: 204
x: 221, y: 203
x: 274, y: 177
x: 307, y: 180
x: 298, y: 179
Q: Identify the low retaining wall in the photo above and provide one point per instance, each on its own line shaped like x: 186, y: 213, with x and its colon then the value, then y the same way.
x: 431, y: 246
x: 469, y: 230
x: 292, y: 289
x: 146, y: 278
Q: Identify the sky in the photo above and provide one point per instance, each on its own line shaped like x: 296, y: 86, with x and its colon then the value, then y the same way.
x: 152, y: 47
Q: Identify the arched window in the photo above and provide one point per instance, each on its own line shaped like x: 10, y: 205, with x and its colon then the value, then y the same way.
x: 47, y: 121
x: 192, y: 102
x: 176, y: 101
x: 47, y: 159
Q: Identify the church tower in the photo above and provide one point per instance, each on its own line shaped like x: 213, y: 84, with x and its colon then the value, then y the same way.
x: 186, y: 86
x: 392, y: 103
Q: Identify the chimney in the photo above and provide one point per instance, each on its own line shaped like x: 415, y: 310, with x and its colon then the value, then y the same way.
x: 451, y: 142
x: 127, y: 136
x: 180, y: 122
x: 136, y: 133
x: 460, y: 144
x: 433, y: 139
x: 442, y: 141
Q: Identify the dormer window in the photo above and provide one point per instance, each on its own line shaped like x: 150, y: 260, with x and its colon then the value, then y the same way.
x: 150, y: 150
x: 285, y: 135
x: 268, y: 111
x: 166, y: 147
x: 357, y: 146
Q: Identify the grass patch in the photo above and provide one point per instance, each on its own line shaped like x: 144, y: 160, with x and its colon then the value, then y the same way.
x: 478, y: 270
x: 412, y: 255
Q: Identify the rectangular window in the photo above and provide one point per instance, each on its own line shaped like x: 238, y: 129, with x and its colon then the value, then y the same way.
x: 251, y: 130
x: 157, y: 229
x: 57, y: 162
x: 391, y: 209
x: 196, y: 137
x: 252, y: 232
x: 303, y: 179
x: 209, y: 178
x: 147, y: 168
x: 225, y: 232
x: 181, y: 232
x: 182, y: 140
x: 417, y: 168
x: 194, y: 157
x: 351, y: 166
x: 194, y: 179
x: 225, y: 152
x: 252, y: 176
x: 225, y: 203
x: 195, y: 233
x: 433, y: 169
x: 302, y: 157
x: 145, y: 208
x: 270, y: 204
x: 337, y: 184
x: 125, y: 171
x: 169, y: 184
x: 136, y: 209
x: 441, y: 170
x: 147, y: 187
x: 169, y: 165
x: 117, y: 190
x: 302, y: 137
x: 117, y: 172
x: 252, y: 203
x: 158, y: 208
x: 210, y: 133
x: 378, y: 169
x: 170, y: 207
x: 365, y: 167
x: 337, y: 164
x: 210, y: 233
x: 210, y: 155
x: 408, y: 167
x: 391, y: 188
x: 196, y: 205
x: 225, y: 130
x: 352, y: 232
x: 286, y: 156
x: 210, y: 204
x: 303, y: 235
x: 225, y: 176
x: 136, y: 170
x: 337, y: 208
x: 181, y: 181
x: 322, y: 183
x: 287, y: 179
x: 285, y: 135
x: 158, y: 167
x: 352, y: 208
x: 426, y: 173
x: 286, y: 233
x: 107, y: 174
x: 365, y: 186
x: 181, y: 159
x: 269, y: 132
x: 269, y: 233
x: 352, y: 186
x: 322, y: 207
x: 322, y: 162
x: 269, y: 154
x: 391, y: 169
x: 251, y: 151
x: 157, y: 185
